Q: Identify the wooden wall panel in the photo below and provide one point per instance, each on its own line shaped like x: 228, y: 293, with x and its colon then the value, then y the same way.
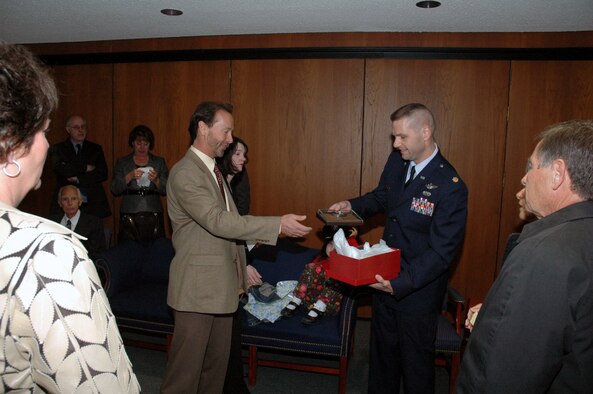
x: 541, y: 94
x: 84, y: 90
x: 302, y: 121
x: 163, y: 96
x: 319, y: 130
x: 469, y: 101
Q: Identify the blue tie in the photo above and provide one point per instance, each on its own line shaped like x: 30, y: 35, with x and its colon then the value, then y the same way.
x: 411, y: 178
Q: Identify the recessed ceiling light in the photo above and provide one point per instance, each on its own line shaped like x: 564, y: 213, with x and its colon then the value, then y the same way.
x: 428, y: 4
x: 171, y: 12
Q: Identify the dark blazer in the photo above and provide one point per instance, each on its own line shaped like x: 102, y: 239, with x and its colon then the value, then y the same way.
x: 534, y: 332
x: 426, y: 221
x: 91, y: 227
x: 66, y: 164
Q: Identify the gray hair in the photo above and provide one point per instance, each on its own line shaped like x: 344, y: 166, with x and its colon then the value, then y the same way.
x: 571, y: 141
x: 65, y: 187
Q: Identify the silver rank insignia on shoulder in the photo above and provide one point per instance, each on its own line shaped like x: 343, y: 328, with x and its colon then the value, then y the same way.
x: 430, y: 186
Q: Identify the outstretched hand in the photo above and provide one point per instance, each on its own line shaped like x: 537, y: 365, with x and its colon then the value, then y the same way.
x: 382, y: 284
x: 290, y: 226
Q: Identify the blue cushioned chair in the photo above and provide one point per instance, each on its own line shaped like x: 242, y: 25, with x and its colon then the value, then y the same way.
x: 332, y: 336
x: 450, y: 335
x: 136, y: 280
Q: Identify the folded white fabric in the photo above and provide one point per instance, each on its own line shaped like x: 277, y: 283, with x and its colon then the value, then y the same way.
x: 345, y: 249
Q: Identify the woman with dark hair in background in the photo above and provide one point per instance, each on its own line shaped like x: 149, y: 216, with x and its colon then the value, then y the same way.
x: 232, y: 166
x: 141, y: 178
x: 57, y: 331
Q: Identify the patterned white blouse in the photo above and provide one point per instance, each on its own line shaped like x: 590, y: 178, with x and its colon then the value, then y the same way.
x: 57, y: 331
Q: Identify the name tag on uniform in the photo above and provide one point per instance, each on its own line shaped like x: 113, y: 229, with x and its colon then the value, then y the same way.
x: 422, y: 206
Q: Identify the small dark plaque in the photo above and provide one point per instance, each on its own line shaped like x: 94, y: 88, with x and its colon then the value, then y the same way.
x: 339, y: 218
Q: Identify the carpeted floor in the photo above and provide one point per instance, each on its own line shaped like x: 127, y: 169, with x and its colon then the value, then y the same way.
x: 149, y: 366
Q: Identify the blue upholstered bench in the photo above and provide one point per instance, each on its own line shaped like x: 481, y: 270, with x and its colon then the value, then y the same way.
x: 136, y: 280
x: 332, y: 337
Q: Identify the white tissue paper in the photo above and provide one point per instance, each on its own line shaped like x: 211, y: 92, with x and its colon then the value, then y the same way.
x: 345, y: 249
x: 143, y: 180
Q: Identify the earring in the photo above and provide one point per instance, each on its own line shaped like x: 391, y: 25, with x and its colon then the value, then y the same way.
x: 12, y: 175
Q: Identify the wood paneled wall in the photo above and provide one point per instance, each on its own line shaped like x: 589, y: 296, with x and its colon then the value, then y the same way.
x: 542, y: 93
x: 84, y: 90
x: 302, y: 120
x: 163, y: 96
x: 318, y: 130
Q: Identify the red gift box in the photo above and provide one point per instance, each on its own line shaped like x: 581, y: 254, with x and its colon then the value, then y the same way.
x: 362, y: 272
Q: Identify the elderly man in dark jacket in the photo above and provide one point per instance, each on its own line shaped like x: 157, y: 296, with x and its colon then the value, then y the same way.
x: 534, y: 332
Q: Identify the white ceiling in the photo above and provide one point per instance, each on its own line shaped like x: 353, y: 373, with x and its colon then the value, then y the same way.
x: 44, y: 21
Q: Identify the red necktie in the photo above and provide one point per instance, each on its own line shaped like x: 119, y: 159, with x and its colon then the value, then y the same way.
x: 219, y: 180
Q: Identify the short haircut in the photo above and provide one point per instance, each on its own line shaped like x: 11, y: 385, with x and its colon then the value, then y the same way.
x: 205, y: 112
x: 66, y: 187
x: 415, y: 109
x: 143, y: 132
x: 69, y: 119
x: 571, y: 141
x: 28, y: 96
x: 226, y: 161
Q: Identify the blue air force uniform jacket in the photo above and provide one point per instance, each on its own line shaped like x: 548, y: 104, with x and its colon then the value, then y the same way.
x: 426, y: 222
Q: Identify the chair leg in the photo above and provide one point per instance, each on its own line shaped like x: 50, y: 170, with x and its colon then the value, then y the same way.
x: 343, y: 373
x: 168, y: 345
x: 252, y: 362
x: 454, y: 370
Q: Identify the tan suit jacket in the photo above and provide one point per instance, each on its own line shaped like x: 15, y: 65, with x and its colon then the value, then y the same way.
x: 203, y: 274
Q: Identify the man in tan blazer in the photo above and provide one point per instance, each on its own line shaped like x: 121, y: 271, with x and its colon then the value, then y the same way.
x: 208, y: 270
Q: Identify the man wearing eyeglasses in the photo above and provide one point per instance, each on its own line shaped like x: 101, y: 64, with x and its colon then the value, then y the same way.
x: 81, y: 163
